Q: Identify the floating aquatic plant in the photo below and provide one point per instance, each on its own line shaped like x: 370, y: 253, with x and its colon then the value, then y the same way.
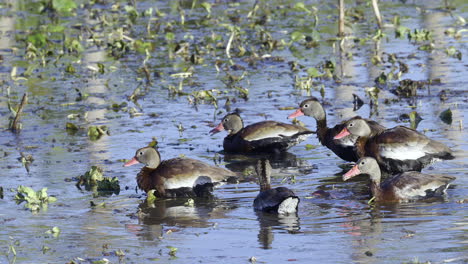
x: 94, y: 180
x: 446, y: 116
x: 34, y: 201
x: 54, y: 231
x: 96, y: 132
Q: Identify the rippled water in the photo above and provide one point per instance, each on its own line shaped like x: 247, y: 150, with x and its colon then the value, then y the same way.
x: 341, y: 228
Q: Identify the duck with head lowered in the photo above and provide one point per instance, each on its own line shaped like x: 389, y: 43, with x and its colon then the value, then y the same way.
x: 177, y: 177
x: 397, y: 149
x: 279, y: 200
x: 265, y: 136
x: 344, y: 147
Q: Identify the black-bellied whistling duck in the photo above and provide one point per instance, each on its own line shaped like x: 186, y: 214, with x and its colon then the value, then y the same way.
x: 265, y: 136
x: 343, y: 148
x: 396, y: 149
x: 178, y: 177
x: 402, y: 187
x: 279, y: 200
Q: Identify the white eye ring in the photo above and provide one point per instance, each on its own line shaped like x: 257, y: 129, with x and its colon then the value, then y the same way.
x: 141, y: 153
x: 306, y: 106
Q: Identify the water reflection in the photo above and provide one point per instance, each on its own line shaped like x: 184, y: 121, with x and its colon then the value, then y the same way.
x: 282, y: 161
x: 269, y: 222
x: 182, y: 212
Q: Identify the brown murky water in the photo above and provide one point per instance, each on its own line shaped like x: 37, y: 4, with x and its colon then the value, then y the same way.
x: 342, y: 228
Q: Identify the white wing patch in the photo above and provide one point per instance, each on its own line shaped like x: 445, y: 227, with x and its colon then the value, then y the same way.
x: 288, y: 206
x: 409, y: 151
x: 175, y: 183
x: 271, y: 134
x: 409, y: 192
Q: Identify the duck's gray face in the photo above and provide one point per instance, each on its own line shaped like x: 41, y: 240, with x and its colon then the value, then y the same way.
x: 312, y: 108
x: 356, y: 127
x: 359, y: 127
x: 309, y: 107
x: 366, y: 165
x: 147, y: 155
x: 232, y: 123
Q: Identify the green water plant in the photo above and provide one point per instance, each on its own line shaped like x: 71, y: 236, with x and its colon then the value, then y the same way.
x: 94, y: 180
x: 54, y: 231
x: 96, y: 132
x: 15, y: 125
x: 34, y: 200
x: 446, y: 116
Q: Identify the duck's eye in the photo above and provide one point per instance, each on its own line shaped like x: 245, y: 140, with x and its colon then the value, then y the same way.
x: 141, y: 153
x: 351, y: 124
x: 306, y: 106
x: 362, y: 163
x: 226, y: 119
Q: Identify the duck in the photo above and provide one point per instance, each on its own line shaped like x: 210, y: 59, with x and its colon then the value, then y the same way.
x: 177, y: 177
x: 261, y: 137
x: 280, y: 200
x: 402, y: 187
x: 344, y: 147
x: 397, y: 149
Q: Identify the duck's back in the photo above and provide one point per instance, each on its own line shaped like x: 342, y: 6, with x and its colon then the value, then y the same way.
x: 402, y: 149
x: 414, y: 185
x: 270, y: 129
x: 180, y: 173
x: 266, y: 136
x: 272, y: 200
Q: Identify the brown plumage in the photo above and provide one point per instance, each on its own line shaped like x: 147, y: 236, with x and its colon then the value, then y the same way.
x: 396, y: 149
x: 343, y: 148
x: 402, y: 187
x: 266, y: 136
x: 176, y: 177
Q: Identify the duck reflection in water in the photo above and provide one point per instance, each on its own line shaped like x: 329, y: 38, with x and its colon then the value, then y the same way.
x: 154, y: 217
x: 285, y: 161
x: 270, y: 223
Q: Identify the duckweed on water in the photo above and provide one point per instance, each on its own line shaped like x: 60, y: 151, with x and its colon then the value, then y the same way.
x: 34, y: 200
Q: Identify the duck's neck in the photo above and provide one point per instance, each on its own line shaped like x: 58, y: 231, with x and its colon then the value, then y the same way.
x: 264, y: 181
x: 152, y: 165
x: 322, y: 129
x: 376, y: 189
x: 360, y: 147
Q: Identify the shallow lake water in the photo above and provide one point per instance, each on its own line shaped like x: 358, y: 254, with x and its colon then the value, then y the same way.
x: 341, y: 228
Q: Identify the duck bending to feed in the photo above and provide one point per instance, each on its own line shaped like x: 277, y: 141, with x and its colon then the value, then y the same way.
x: 178, y: 177
x: 344, y: 147
x: 265, y: 136
x: 402, y: 187
x: 279, y: 200
x: 396, y: 149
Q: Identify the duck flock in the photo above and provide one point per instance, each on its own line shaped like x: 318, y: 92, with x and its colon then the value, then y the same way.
x: 396, y: 154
